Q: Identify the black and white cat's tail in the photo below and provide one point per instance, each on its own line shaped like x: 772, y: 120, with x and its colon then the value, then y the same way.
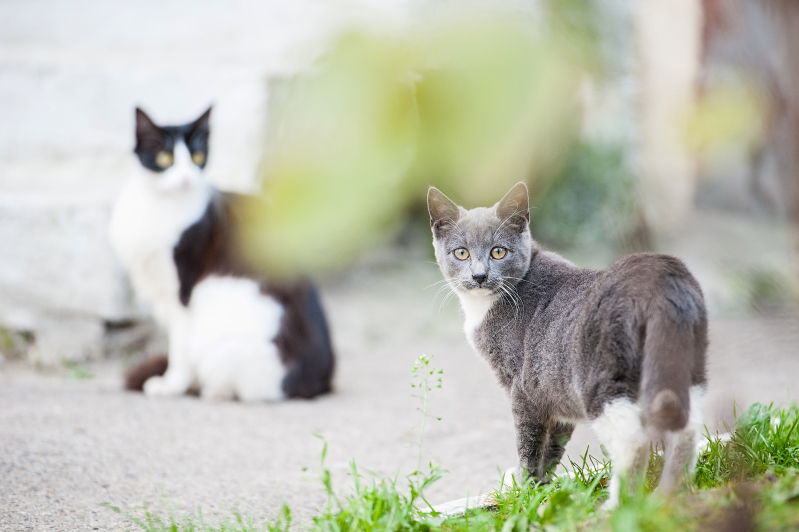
x: 304, y: 342
x: 151, y: 367
x: 674, y: 355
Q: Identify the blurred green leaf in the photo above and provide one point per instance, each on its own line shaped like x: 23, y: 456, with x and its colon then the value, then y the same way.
x: 471, y: 109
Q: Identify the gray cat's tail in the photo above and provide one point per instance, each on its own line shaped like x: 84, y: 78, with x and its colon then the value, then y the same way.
x: 674, y: 345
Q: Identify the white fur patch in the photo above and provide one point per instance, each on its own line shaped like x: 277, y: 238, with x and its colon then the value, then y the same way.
x: 620, y: 429
x: 231, y: 333
x: 146, y: 223
x: 475, y: 306
x: 695, y: 418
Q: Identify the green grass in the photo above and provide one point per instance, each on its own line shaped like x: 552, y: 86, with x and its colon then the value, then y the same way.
x: 77, y: 372
x: 750, y: 480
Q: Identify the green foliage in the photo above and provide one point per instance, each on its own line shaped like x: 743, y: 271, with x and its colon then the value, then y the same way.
x: 752, y: 478
x: 766, y: 288
x: 15, y: 344
x: 768, y: 438
x: 240, y: 523
x: 780, y: 504
x: 765, y: 440
x: 424, y: 375
x: 472, y: 107
x: 380, y: 505
x: 591, y: 200
x: 76, y: 371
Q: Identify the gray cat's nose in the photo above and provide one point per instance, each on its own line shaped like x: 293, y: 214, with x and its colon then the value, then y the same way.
x: 479, y: 277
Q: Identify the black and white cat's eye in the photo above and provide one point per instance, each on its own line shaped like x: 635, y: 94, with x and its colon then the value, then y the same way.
x: 198, y: 158
x: 461, y: 253
x: 498, y: 253
x: 164, y: 159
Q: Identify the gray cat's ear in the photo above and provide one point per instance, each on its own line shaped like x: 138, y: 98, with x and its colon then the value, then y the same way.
x: 442, y: 209
x: 515, y: 205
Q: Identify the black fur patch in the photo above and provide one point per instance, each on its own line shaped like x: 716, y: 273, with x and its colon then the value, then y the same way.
x: 303, y: 341
x: 150, y: 367
x: 210, y: 247
x: 152, y: 138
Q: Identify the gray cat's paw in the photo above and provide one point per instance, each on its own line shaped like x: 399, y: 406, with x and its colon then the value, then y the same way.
x: 511, y: 475
x: 608, y: 506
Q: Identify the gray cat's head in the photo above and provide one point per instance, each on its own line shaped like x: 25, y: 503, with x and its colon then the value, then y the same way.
x: 481, y: 249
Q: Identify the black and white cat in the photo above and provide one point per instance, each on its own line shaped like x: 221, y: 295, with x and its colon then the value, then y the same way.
x: 231, y: 333
x: 622, y: 349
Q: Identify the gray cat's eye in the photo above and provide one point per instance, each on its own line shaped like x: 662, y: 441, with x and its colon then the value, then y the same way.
x: 498, y: 253
x: 461, y: 253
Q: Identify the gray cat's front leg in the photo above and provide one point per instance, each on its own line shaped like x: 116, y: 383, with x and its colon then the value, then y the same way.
x: 558, y: 436
x: 531, y: 437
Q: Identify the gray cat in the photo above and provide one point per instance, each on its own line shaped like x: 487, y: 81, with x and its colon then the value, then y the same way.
x: 622, y: 348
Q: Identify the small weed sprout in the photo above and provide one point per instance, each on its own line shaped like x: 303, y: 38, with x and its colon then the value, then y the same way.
x: 752, y: 474
x: 425, y: 377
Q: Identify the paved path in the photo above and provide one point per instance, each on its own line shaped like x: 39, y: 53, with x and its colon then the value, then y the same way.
x: 68, y: 446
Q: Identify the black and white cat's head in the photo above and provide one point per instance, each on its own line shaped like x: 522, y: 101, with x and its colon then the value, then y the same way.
x: 176, y: 155
x: 481, y: 250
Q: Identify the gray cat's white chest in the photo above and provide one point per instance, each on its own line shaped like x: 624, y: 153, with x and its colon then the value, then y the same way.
x: 475, y: 308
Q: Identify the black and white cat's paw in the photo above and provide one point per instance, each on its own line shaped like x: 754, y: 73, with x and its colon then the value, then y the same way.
x: 162, y: 387
x: 217, y: 393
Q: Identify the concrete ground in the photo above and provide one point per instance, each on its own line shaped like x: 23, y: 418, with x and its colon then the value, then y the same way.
x: 68, y: 446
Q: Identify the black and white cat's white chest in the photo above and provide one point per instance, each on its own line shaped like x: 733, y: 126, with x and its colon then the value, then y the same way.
x: 146, y: 226
x: 230, y: 332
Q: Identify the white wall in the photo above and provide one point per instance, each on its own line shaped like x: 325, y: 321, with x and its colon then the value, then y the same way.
x: 71, y: 73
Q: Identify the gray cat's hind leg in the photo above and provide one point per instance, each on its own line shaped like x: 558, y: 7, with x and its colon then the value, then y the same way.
x: 681, y: 446
x: 620, y: 429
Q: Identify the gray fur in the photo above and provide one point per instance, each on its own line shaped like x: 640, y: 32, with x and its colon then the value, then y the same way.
x: 566, y: 341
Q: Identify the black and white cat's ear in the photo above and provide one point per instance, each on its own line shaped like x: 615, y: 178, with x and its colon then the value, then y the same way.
x: 148, y: 134
x: 515, y: 206
x: 202, y: 123
x: 442, y: 209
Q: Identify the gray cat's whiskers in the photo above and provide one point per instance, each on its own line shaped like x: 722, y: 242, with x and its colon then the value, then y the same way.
x: 445, y: 285
x: 439, y: 291
x: 446, y: 297
x: 452, y: 293
x: 622, y: 349
x: 537, y: 288
x: 494, y: 234
x: 515, y: 299
x: 456, y: 226
x: 434, y: 284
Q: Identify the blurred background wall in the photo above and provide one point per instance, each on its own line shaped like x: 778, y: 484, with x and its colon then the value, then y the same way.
x: 686, y: 138
x: 71, y: 73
